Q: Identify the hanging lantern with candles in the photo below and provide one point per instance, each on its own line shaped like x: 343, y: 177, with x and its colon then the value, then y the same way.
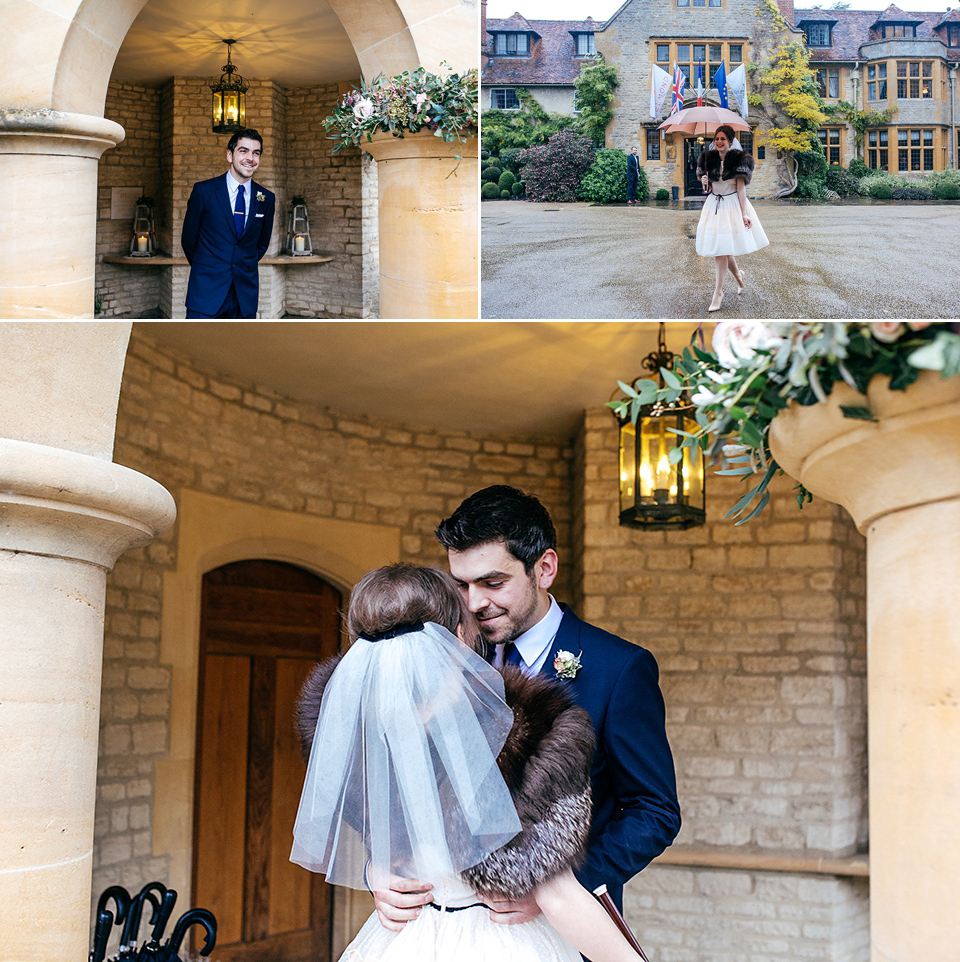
x: 229, y: 98
x: 142, y: 241
x: 660, y: 491
x: 298, y: 228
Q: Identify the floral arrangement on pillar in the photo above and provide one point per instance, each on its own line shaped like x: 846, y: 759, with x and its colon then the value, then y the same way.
x: 414, y: 101
x: 755, y: 369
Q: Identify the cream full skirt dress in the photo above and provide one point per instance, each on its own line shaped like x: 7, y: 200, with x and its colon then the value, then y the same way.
x: 721, y: 229
x: 467, y: 935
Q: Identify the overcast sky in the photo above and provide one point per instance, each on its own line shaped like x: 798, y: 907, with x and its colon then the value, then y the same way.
x: 604, y: 9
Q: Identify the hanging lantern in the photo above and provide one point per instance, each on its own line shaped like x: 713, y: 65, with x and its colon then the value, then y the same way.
x: 658, y: 492
x: 229, y: 98
x: 298, y: 229
x: 142, y: 241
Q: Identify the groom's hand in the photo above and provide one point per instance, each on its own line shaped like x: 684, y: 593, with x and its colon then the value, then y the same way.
x: 401, y: 902
x: 512, y: 911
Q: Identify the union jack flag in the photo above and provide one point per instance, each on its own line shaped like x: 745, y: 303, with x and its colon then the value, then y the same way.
x: 678, y: 81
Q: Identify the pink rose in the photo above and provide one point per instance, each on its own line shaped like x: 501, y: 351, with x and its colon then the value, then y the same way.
x: 735, y: 342
x: 887, y: 331
x: 918, y: 325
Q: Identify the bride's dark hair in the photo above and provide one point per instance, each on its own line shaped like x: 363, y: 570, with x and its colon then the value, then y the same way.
x: 403, y: 594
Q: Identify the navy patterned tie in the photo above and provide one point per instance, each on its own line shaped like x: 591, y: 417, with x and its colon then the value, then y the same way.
x: 239, y: 212
x: 511, y: 655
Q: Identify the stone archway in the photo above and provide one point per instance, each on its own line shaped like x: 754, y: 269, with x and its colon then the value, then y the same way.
x: 52, y: 129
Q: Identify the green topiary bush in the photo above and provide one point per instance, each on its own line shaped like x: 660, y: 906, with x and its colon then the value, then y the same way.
x: 510, y: 160
x: 484, y: 154
x: 518, y: 188
x: 489, y: 191
x: 505, y: 195
x: 605, y: 181
x: 947, y: 192
x: 663, y: 195
x: 506, y: 181
x: 881, y: 191
x: 842, y: 181
x: 858, y: 168
x: 491, y: 173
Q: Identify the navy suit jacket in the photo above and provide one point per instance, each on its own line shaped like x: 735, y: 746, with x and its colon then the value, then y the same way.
x: 636, y: 814
x: 217, y: 257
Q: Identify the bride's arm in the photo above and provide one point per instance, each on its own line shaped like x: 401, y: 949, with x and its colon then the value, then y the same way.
x: 582, y: 920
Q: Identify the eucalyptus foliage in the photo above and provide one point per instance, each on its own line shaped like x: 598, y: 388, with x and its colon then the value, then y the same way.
x: 756, y: 369
x: 412, y: 101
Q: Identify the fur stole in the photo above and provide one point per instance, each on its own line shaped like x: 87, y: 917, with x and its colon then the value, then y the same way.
x: 736, y: 163
x: 546, y: 765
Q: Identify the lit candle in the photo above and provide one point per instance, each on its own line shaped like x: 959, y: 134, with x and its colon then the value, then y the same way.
x: 298, y: 244
x: 142, y: 243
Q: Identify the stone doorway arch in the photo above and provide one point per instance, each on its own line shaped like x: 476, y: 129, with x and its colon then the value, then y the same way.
x: 53, y: 132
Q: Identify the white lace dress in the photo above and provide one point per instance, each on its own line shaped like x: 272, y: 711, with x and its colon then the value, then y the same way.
x: 464, y: 935
x: 721, y: 229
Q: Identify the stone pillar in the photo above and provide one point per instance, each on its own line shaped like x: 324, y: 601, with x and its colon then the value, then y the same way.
x: 429, y: 220
x: 48, y: 226
x: 65, y: 517
x: 899, y: 478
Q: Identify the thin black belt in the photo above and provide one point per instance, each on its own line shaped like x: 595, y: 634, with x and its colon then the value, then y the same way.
x: 457, y: 908
x: 719, y: 199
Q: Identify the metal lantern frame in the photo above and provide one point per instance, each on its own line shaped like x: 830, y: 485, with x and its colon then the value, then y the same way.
x: 142, y: 243
x: 229, y: 98
x: 298, y: 232
x: 657, y: 493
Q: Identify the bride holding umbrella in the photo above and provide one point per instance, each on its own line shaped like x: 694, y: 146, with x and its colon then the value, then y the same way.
x: 728, y: 225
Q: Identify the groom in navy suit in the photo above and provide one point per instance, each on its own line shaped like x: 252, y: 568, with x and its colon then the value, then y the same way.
x: 226, y: 231
x: 501, y: 548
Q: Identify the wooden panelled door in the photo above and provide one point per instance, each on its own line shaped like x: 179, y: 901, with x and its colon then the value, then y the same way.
x: 263, y: 626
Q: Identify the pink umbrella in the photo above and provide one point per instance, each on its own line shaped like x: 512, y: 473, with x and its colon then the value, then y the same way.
x: 702, y: 120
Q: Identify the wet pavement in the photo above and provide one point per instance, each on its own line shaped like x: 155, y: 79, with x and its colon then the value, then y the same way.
x: 580, y: 261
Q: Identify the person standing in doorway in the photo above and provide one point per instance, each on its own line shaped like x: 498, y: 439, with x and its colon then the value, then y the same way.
x: 633, y: 175
x: 226, y: 232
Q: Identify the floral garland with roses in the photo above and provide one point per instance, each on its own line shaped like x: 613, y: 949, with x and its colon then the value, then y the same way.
x: 756, y: 369
x: 413, y: 101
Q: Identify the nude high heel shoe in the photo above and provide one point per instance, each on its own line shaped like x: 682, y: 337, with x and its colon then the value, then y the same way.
x: 715, y: 306
x: 741, y: 284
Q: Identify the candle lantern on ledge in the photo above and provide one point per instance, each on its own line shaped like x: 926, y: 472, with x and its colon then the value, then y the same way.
x: 229, y: 98
x: 659, y: 492
x: 142, y: 243
x: 298, y: 229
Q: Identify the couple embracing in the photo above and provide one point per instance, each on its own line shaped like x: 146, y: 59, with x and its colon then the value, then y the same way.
x: 481, y: 756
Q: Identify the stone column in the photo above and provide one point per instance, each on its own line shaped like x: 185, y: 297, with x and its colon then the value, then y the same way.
x: 48, y: 220
x: 66, y: 513
x: 429, y: 218
x: 899, y: 478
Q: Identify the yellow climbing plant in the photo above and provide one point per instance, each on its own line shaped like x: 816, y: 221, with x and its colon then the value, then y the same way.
x: 788, y: 82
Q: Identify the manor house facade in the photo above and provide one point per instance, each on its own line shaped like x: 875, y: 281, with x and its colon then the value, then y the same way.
x: 873, y: 61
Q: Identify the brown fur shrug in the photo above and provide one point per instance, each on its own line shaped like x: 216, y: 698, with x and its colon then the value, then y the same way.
x: 736, y: 163
x: 546, y: 765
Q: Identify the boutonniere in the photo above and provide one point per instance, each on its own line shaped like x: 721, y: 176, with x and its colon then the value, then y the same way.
x: 566, y: 664
x: 261, y: 197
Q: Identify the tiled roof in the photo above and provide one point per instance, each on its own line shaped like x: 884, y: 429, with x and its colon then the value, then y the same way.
x: 853, y: 28
x: 951, y: 16
x: 551, y: 59
x: 893, y: 14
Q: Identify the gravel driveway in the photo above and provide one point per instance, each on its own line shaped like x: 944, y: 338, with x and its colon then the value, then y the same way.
x: 844, y: 260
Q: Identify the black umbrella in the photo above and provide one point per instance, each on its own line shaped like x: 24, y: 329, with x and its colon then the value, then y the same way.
x: 204, y: 917
x: 131, y: 929
x: 105, y: 919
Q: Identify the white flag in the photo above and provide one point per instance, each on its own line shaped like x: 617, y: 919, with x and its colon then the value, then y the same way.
x: 737, y: 83
x: 659, y: 88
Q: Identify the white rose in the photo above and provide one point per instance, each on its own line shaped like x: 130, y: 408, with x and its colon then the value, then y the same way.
x: 734, y: 342
x: 886, y: 331
x: 363, y: 108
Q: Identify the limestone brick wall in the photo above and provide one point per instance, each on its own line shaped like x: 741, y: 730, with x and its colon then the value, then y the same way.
x: 170, y: 143
x: 626, y: 44
x: 133, y: 163
x: 332, y: 185
x: 759, y: 631
x: 189, y: 427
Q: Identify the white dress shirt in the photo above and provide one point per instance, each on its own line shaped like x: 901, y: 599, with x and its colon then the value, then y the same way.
x: 232, y: 185
x: 534, y: 644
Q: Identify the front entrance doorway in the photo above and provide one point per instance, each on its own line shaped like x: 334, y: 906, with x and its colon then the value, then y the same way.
x: 263, y: 626
x: 692, y: 147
